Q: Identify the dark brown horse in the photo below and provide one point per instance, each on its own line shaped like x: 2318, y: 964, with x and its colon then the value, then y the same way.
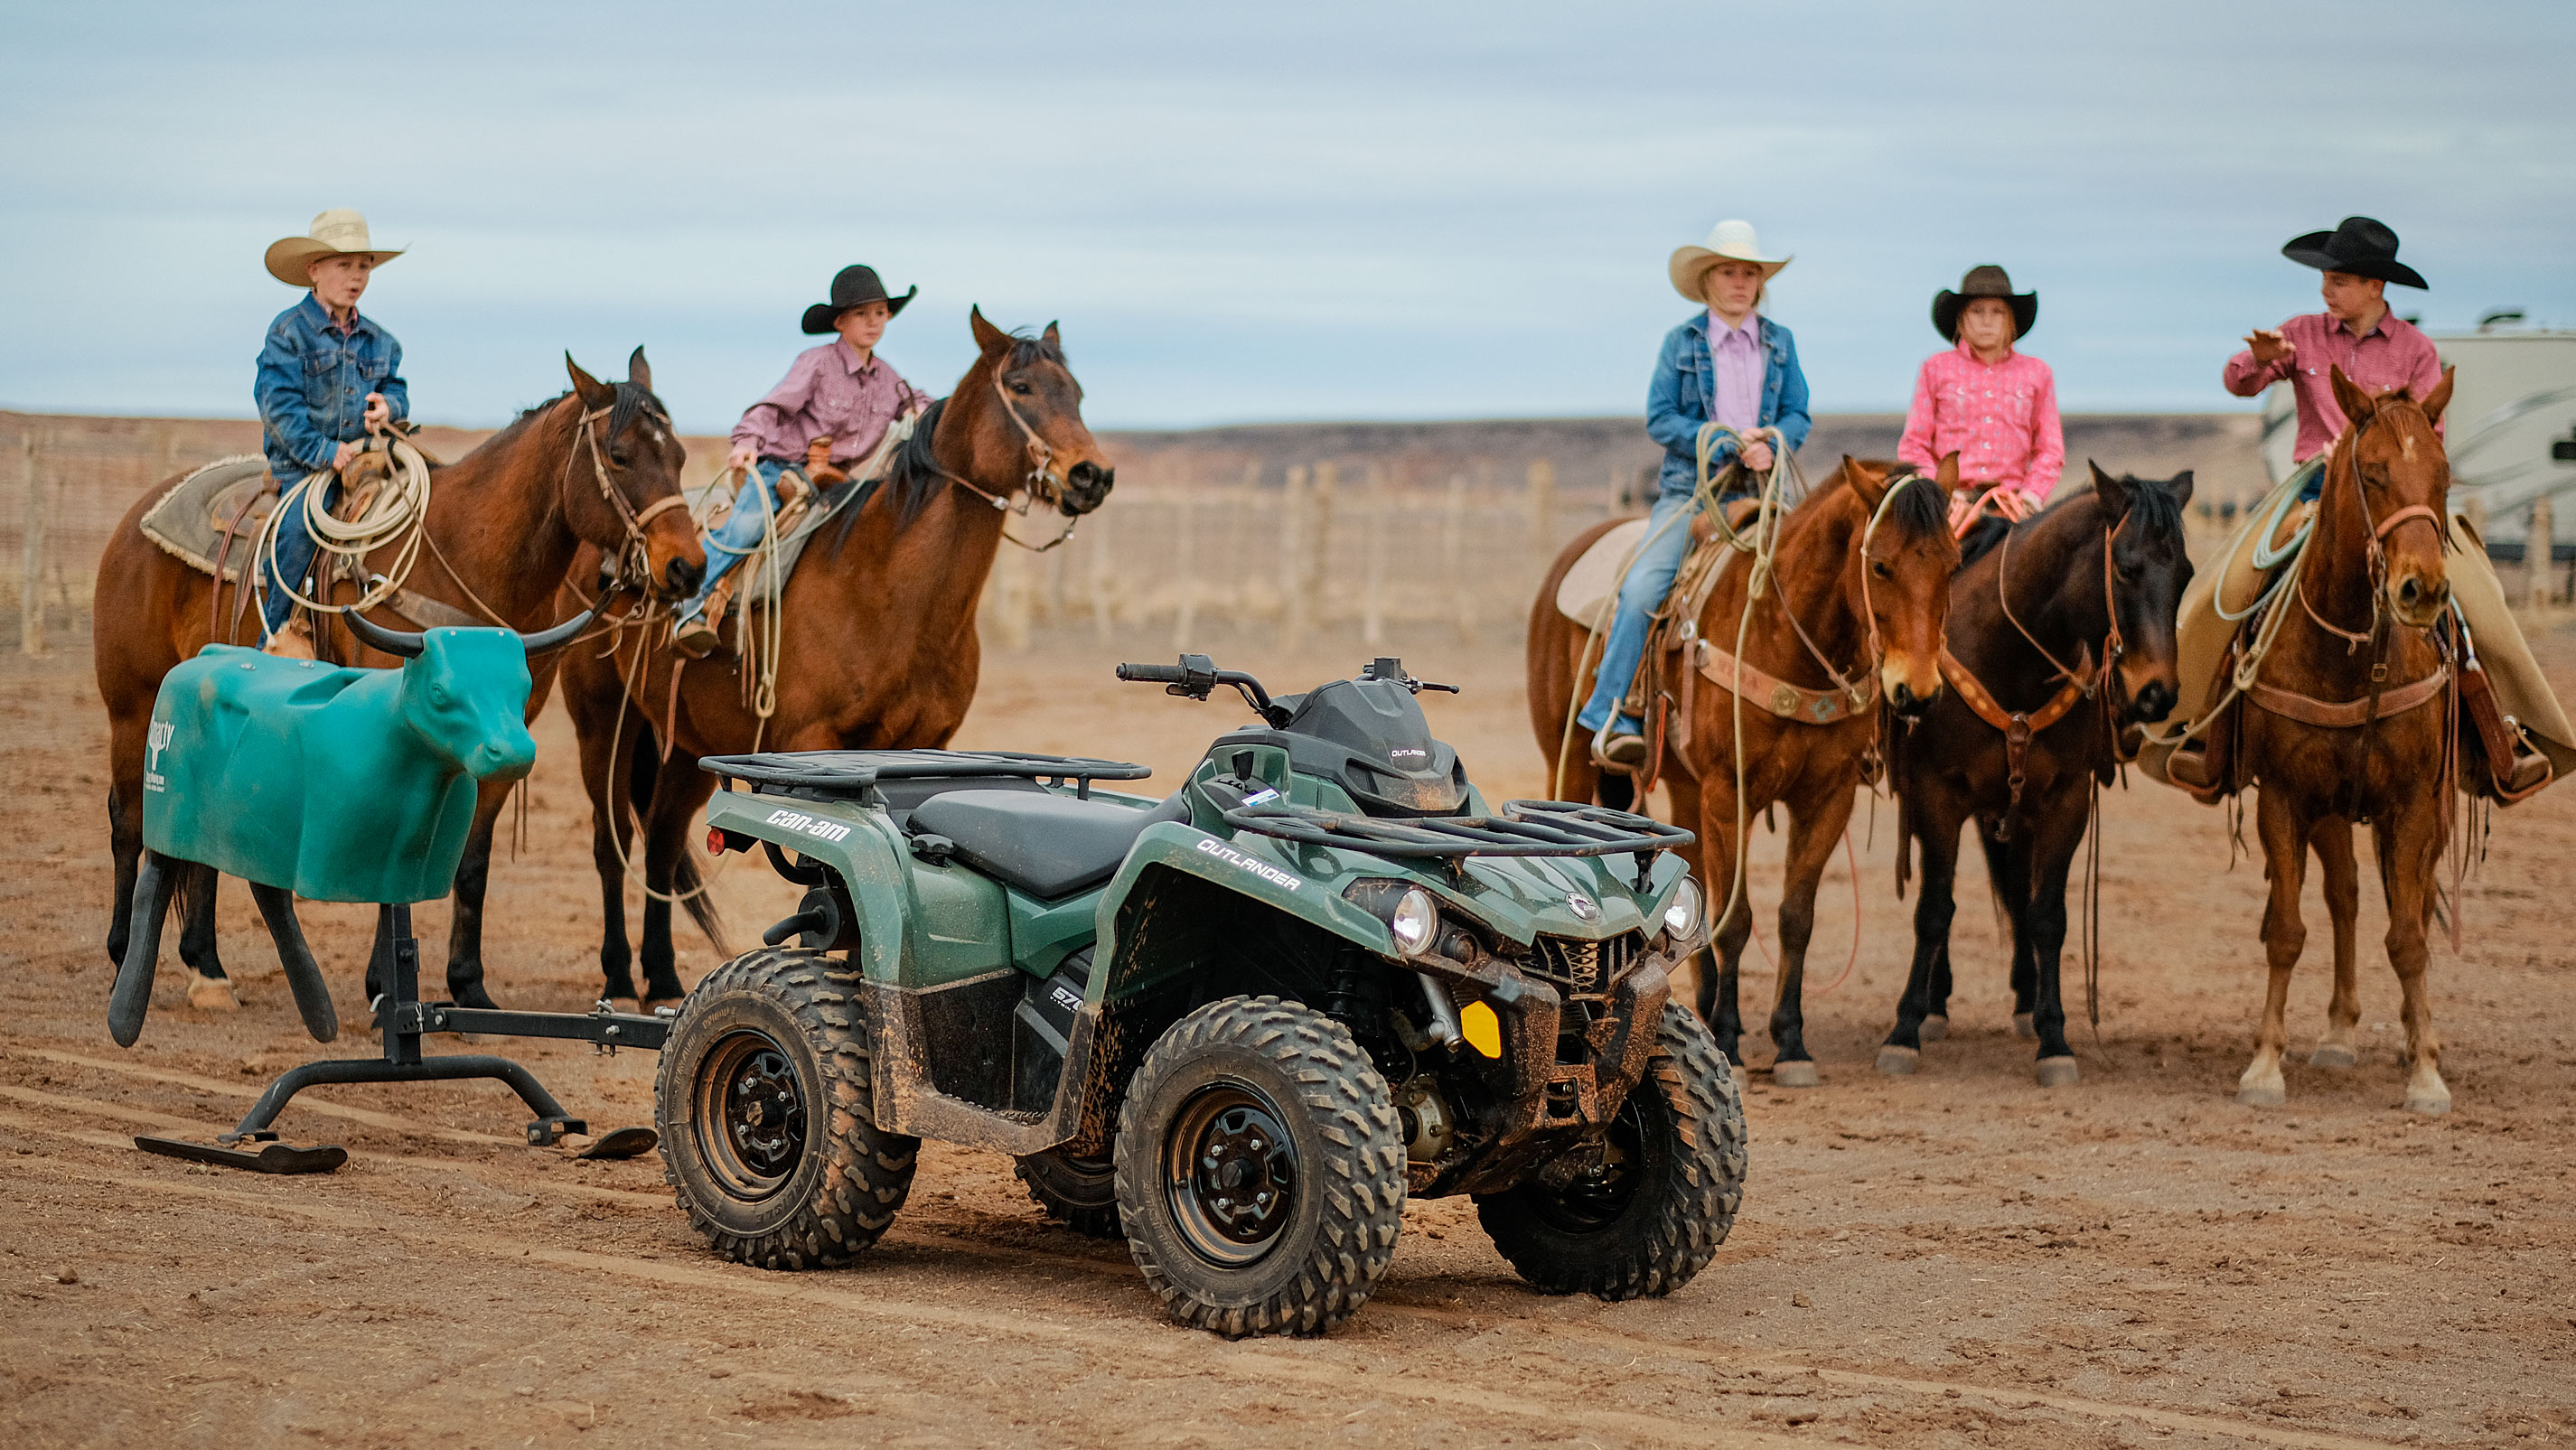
x: 2060, y: 637
x: 504, y: 521
x: 1863, y: 568
x: 877, y: 646
x: 2340, y: 727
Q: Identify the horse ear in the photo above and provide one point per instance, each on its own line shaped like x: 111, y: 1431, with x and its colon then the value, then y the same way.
x: 988, y: 338
x: 2180, y: 487
x: 1947, y: 474
x: 592, y: 392
x: 2113, y: 492
x: 2348, y: 395
x: 638, y: 371
x: 1867, y: 480
x: 1053, y: 342
x: 2440, y: 398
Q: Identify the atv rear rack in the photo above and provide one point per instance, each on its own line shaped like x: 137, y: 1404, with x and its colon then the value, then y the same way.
x: 1525, y: 828
x: 839, y: 774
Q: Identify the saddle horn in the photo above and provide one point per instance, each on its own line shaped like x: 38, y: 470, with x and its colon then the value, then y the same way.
x: 388, y: 641
x: 557, y: 636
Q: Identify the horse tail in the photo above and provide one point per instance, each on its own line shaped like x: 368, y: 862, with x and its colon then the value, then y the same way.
x: 688, y: 883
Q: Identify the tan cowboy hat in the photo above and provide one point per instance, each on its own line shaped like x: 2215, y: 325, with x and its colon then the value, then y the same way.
x: 339, y: 232
x: 1730, y: 241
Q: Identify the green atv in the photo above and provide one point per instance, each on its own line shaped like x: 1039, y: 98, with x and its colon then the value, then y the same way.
x: 1237, y: 1026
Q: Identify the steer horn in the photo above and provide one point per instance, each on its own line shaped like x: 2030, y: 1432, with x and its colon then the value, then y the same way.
x: 559, y: 636
x: 386, y: 641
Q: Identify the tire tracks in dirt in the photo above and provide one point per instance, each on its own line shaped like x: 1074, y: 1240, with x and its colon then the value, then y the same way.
x: 1079, y: 1336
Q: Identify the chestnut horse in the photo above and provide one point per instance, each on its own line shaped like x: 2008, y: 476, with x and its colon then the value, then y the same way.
x: 876, y: 648
x: 2340, y: 727
x: 504, y: 521
x: 2060, y: 639
x: 1861, y: 568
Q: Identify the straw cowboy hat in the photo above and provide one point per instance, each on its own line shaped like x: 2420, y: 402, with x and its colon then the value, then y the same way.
x: 338, y: 232
x: 1987, y: 281
x: 2362, y: 246
x: 854, y: 287
x: 1728, y: 241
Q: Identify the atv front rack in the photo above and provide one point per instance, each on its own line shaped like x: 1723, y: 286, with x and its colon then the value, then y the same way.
x: 1525, y: 828
x: 839, y: 774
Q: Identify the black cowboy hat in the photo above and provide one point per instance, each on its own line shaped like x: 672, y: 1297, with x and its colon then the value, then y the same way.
x: 853, y: 287
x: 1986, y: 281
x: 2363, y: 246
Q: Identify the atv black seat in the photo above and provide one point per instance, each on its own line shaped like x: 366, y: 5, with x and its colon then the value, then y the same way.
x: 855, y: 774
x: 1047, y: 845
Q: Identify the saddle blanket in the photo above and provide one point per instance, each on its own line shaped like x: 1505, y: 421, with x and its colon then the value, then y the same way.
x: 188, y: 521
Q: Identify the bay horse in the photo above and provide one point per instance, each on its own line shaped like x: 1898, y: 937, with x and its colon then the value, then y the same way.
x: 1853, y: 610
x: 2348, y: 722
x: 600, y: 464
x: 2061, y: 636
x: 876, y: 647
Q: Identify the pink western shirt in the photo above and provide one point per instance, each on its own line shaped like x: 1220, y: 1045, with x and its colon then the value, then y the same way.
x: 2001, y: 419
x: 826, y: 393
x: 1735, y: 372
x: 2391, y: 355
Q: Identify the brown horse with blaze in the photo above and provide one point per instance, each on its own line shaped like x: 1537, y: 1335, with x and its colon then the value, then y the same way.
x: 1850, y: 613
x: 599, y: 465
x: 876, y: 635
x: 2349, y: 722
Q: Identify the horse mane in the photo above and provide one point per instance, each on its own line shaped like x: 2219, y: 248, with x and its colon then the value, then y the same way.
x: 914, y: 474
x: 633, y: 401
x: 1917, y: 510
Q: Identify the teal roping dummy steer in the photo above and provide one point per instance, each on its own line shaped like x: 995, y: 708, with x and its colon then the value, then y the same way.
x: 326, y: 782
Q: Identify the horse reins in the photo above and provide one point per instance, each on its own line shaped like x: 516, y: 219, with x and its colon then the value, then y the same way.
x: 634, y: 560
x: 1041, y: 476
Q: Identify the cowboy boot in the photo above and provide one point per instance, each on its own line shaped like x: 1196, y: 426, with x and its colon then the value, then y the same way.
x: 702, y: 634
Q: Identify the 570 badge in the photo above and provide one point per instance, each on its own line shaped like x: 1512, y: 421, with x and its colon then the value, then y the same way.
x: 820, y: 830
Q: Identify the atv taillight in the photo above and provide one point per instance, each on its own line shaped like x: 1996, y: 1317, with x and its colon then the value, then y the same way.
x: 720, y: 840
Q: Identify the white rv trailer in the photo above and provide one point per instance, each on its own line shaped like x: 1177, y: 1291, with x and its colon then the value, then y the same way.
x: 2510, y: 429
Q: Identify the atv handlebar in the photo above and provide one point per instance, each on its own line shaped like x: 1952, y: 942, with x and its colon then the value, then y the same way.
x: 1196, y: 677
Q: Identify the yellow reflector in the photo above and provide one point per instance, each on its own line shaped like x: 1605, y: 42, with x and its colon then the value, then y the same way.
x: 1484, y: 1030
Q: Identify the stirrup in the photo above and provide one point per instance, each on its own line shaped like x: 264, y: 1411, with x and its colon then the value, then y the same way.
x: 2529, y: 771
x: 696, y: 636
x: 1618, y: 752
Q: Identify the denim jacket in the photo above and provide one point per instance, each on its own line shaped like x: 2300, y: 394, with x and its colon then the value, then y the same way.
x: 1677, y: 399
x: 313, y: 386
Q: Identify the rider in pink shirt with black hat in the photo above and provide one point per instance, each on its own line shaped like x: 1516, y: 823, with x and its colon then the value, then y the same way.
x: 1993, y: 405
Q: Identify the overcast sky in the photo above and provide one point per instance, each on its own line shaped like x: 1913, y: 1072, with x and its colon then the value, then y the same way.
x: 1251, y: 212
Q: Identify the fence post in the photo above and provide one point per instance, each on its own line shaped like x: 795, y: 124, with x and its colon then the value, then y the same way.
x: 1097, y: 586
x: 1319, y: 543
x: 1542, y: 506
x: 1185, y: 565
x: 1373, y: 604
x: 31, y: 565
x: 2537, y: 565
x: 1292, y: 558
x: 1453, y: 557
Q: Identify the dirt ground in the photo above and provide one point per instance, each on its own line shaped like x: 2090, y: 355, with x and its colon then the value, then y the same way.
x: 1961, y: 1258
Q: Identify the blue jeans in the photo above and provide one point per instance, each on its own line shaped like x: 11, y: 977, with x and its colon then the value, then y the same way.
x: 740, y: 533
x: 292, y: 559
x: 1649, y: 579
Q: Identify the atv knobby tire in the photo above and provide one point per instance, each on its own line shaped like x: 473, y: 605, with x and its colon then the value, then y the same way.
x: 1654, y: 1222
x: 1260, y: 1172
x: 762, y: 1101
x: 1080, y: 1193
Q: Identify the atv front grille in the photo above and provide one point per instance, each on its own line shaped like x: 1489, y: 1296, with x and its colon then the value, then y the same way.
x: 1584, y: 968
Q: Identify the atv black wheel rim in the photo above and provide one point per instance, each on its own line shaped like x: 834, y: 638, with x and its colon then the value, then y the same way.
x: 751, y: 1115
x: 1230, y: 1175
x: 1598, y: 1199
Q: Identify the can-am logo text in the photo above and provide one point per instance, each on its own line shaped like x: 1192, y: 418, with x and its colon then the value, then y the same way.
x: 819, y: 830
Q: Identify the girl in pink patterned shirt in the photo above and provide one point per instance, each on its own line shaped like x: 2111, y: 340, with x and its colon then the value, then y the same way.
x: 1994, y: 406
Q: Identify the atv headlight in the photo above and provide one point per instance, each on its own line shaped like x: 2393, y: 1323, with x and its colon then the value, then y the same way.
x: 1682, y: 917
x: 1415, y: 922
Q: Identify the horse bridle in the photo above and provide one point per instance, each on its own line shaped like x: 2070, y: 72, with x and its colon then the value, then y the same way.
x: 633, y: 560
x: 2379, y: 532
x: 1042, y: 482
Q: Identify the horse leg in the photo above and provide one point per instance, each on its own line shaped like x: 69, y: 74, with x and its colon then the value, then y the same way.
x: 1694, y: 979
x: 1814, y: 828
x: 1721, y: 960
x: 208, y: 988
x: 671, y: 876
x: 1935, y: 901
x: 2008, y: 877
x: 2409, y: 839
x: 2043, y: 859
x: 2285, y: 862
x: 465, y: 921
x: 616, y: 762
x: 2340, y: 1047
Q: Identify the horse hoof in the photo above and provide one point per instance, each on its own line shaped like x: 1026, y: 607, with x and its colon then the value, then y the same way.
x: 2253, y: 1096
x: 2429, y: 1106
x: 2023, y: 1029
x: 1798, y: 1074
x: 1899, y: 1061
x: 2059, y: 1072
x: 1935, y: 1028
x: 1741, y: 1077
x: 211, y: 994
x: 2333, y: 1054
